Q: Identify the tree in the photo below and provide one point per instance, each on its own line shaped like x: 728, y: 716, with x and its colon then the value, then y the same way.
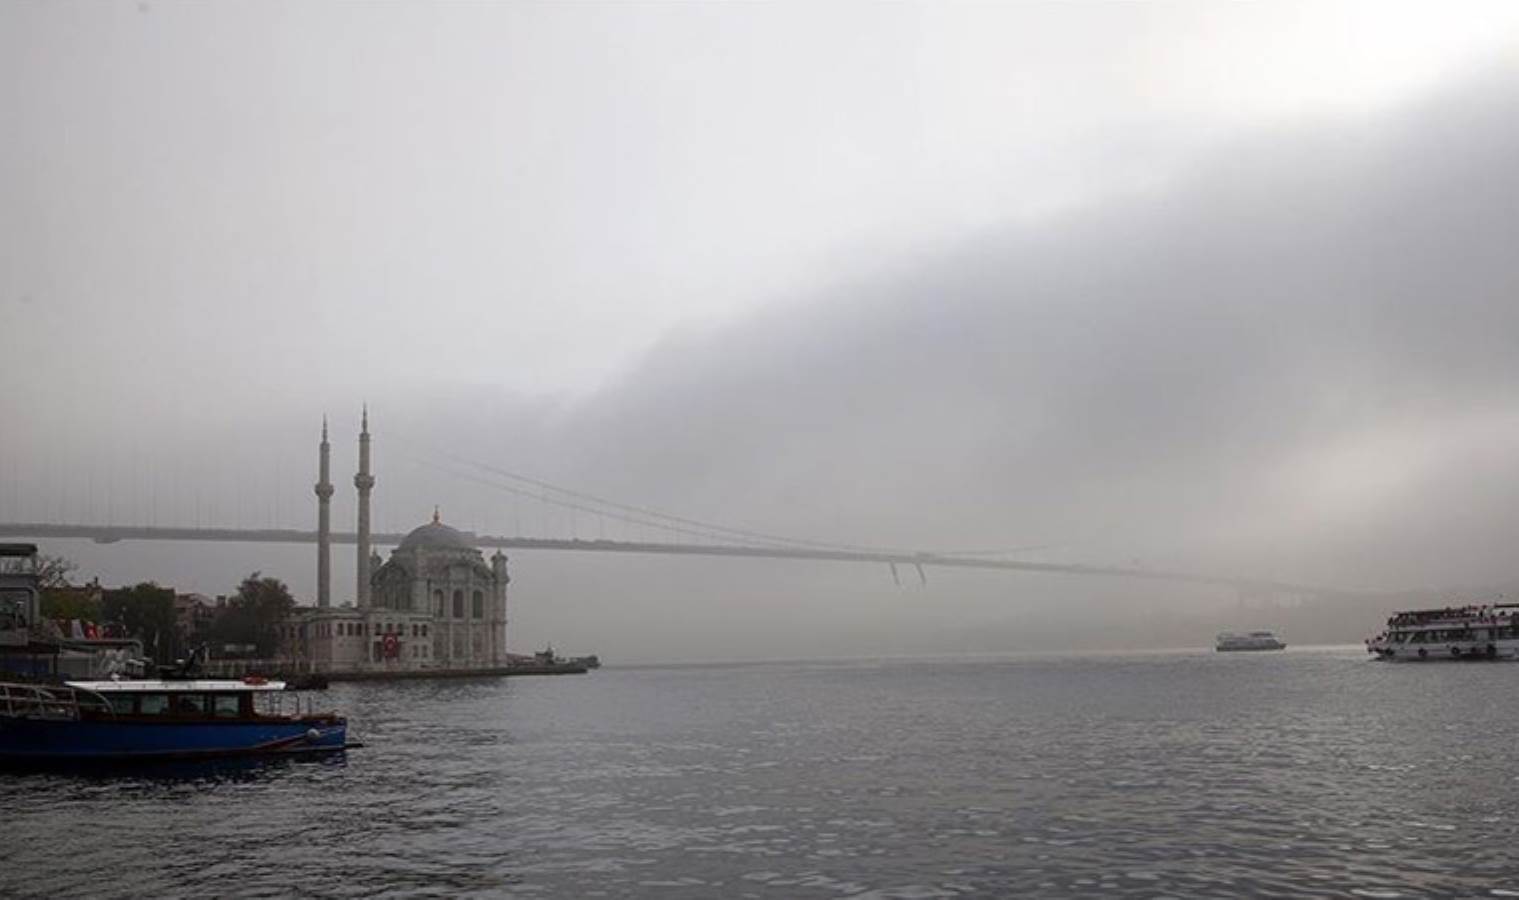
x: 146, y: 611
x: 254, y: 613
x: 82, y: 603
x: 53, y: 571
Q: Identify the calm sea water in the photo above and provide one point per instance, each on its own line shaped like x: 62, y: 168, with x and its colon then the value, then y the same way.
x: 1305, y: 773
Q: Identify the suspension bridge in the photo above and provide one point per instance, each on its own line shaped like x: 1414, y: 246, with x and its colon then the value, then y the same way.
x: 716, y: 540
x: 918, y: 562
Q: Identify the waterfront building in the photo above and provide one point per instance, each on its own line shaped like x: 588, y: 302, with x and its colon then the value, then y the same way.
x: 194, y: 615
x: 437, y: 603
x: 439, y: 573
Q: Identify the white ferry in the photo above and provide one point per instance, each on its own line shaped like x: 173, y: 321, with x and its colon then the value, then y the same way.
x: 1454, y: 632
x: 1255, y: 640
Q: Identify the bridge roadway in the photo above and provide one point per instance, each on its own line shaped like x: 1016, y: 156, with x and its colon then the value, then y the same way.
x: 110, y: 534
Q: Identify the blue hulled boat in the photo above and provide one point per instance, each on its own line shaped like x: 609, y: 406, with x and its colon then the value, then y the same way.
x: 119, y: 721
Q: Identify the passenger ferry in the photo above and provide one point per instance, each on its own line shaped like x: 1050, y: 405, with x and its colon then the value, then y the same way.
x: 1255, y: 640
x: 156, y: 719
x: 1464, y: 632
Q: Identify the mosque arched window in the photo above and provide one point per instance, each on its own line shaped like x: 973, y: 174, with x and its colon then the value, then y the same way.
x: 437, y: 598
x: 458, y: 604
x: 477, y: 605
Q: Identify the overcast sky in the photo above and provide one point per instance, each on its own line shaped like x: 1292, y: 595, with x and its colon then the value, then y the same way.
x: 1222, y: 287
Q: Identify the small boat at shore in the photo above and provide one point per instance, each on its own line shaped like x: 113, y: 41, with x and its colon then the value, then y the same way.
x: 159, y: 719
x: 1255, y: 640
x: 1471, y: 632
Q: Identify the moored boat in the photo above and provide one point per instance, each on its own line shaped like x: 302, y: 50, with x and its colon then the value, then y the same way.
x: 1469, y: 632
x: 1255, y: 640
x: 153, y: 719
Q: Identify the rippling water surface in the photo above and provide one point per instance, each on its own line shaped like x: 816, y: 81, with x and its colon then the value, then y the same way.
x: 1305, y: 773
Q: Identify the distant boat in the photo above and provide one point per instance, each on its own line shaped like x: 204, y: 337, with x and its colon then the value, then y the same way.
x: 157, y: 719
x: 1255, y: 640
x: 1452, y: 632
x: 547, y: 657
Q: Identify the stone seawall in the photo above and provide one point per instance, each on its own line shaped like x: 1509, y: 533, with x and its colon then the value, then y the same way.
x: 302, y: 677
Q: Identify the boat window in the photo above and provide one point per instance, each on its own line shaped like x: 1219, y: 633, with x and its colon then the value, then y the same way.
x: 225, y: 706
x: 153, y: 704
x: 14, y: 605
x: 122, y: 704
x: 189, y: 704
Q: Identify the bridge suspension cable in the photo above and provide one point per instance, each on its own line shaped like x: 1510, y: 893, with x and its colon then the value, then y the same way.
x: 641, y: 515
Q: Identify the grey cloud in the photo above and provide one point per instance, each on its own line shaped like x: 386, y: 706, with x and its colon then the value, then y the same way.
x: 1143, y: 373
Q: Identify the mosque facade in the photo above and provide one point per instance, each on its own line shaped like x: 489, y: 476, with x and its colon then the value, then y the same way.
x: 436, y: 604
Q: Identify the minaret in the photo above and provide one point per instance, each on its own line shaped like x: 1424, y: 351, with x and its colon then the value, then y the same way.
x: 365, y: 483
x: 498, y: 602
x: 324, y: 524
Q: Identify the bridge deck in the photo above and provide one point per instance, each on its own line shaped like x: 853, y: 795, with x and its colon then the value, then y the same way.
x: 106, y: 534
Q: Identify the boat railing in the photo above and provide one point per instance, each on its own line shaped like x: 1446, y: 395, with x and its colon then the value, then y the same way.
x: 42, y: 701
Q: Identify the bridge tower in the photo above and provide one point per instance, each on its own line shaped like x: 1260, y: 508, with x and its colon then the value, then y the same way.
x: 324, y: 523
x: 364, y: 481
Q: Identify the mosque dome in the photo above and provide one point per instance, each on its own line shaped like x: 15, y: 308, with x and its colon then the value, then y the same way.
x: 436, y: 536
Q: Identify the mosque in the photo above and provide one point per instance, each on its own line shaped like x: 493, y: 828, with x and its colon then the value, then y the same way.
x: 436, y: 604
